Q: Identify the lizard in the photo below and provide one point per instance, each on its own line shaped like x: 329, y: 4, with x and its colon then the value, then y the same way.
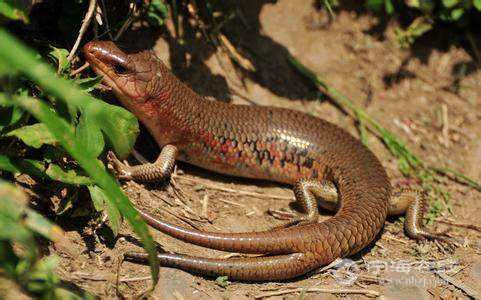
x: 320, y: 160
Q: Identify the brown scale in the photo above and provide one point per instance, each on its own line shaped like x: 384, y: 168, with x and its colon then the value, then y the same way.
x: 320, y: 160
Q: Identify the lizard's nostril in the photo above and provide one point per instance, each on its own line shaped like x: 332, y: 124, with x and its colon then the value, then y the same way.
x: 87, y: 47
x: 91, y: 48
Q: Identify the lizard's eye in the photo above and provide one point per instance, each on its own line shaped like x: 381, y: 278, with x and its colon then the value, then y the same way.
x: 120, y: 69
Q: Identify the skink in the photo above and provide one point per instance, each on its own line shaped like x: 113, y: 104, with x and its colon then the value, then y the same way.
x: 319, y: 159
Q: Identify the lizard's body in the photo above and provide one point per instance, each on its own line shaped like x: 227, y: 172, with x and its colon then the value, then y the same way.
x: 257, y: 142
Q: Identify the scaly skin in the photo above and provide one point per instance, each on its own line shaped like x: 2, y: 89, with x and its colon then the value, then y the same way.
x: 256, y: 142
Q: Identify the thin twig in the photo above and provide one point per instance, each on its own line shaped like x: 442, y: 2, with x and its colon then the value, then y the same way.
x: 393, y: 238
x: 83, y: 28
x: 235, y: 55
x: 127, y: 22
x: 457, y: 224
x: 107, y: 26
x: 205, y: 206
x: 132, y: 279
x: 80, y: 69
x: 369, y: 293
x: 231, y: 203
x: 92, y: 277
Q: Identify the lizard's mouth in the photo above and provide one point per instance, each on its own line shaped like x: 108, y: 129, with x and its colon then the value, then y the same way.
x: 103, y: 56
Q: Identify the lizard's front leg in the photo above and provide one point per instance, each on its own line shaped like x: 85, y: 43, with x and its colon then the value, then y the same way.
x: 161, y: 169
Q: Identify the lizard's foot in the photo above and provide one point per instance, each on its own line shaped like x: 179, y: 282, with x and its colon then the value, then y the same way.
x: 121, y: 170
x: 413, y: 202
x: 293, y: 219
x: 307, y: 192
x: 159, y: 170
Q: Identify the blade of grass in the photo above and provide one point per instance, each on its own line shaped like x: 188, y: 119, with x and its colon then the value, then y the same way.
x: 396, y: 147
x: 327, y: 4
x: 415, y: 165
x: 22, y: 59
x: 458, y: 177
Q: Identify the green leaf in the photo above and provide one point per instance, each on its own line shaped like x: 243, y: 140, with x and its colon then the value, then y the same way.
x: 65, y: 204
x: 59, y: 56
x: 12, y: 217
x: 222, y: 281
x: 375, y: 5
x: 413, y: 3
x: 450, y: 3
x: 5, y: 70
x: 12, y: 230
x: 388, y: 6
x: 120, y: 127
x: 42, y: 278
x: 42, y: 226
x: 477, y: 4
x: 34, y: 135
x: 14, y: 10
x: 19, y: 225
x: 456, y: 14
x: 89, y: 135
x: 100, y: 202
x: 88, y: 84
x: 9, y: 116
x: 55, y: 172
x: 39, y: 169
x: 97, y: 197
x: 25, y: 166
x: 425, y: 6
x: 157, y: 12
x: 419, y: 27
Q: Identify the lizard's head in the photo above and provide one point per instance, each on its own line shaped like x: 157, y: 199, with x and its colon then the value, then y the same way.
x: 134, y: 78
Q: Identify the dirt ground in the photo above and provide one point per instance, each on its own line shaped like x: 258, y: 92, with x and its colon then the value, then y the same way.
x: 406, y: 91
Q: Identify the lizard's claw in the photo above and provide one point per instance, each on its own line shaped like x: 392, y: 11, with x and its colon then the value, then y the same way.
x: 121, y: 171
x: 282, y: 214
x: 293, y: 219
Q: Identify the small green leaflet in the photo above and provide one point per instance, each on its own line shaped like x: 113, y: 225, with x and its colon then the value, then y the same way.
x: 100, y: 202
x: 477, y: 4
x: 374, y: 5
x: 388, y: 6
x: 157, y: 12
x: 14, y: 10
x: 42, y: 170
x: 89, y: 136
x: 55, y: 172
x: 9, y: 116
x: 34, y: 135
x: 88, y: 84
x: 450, y: 3
x: 59, y: 56
x: 119, y: 126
